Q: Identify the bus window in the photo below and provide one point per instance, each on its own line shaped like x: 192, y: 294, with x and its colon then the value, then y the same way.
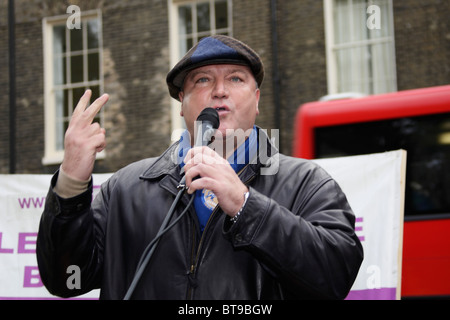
x: 427, y: 141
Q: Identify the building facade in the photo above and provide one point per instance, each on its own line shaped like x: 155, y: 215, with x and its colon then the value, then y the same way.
x: 310, y: 48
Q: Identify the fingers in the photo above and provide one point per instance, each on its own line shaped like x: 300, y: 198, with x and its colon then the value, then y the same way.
x: 82, y: 104
x: 198, y: 153
x: 202, y: 156
x: 205, y: 163
x: 88, y: 114
x: 100, y: 140
x: 82, y: 118
x: 84, y: 138
x: 96, y: 106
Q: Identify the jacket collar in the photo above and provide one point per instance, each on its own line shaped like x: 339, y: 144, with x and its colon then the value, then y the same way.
x: 167, y: 163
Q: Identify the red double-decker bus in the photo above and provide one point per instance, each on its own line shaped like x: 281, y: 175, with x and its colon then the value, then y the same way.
x: 419, y: 122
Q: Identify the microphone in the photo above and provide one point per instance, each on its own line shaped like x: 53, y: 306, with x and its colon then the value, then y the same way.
x: 206, y: 125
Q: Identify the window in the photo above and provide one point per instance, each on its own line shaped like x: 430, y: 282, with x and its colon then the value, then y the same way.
x: 190, y: 21
x: 72, y: 64
x: 198, y: 19
x: 360, y: 46
x: 425, y: 138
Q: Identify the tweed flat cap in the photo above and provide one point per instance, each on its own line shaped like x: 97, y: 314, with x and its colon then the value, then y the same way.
x: 217, y: 49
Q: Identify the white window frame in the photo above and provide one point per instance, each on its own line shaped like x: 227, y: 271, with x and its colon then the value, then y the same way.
x: 52, y: 155
x: 332, y: 48
x: 178, y: 125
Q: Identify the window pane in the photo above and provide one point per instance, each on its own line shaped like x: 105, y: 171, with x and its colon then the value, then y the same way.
x: 359, y: 31
x: 424, y: 138
x: 60, y: 108
x: 93, y: 67
x: 59, y: 70
x: 93, y: 34
x: 350, y: 21
x: 203, y: 21
x: 59, y: 104
x: 76, y: 40
x: 384, y: 78
x: 344, y: 70
x: 354, y: 70
x: 95, y: 92
x: 384, y: 21
x: 95, y: 95
x: 362, y: 66
x: 67, y: 112
x: 341, y: 27
x: 185, y: 19
x: 76, y: 68
x: 351, y: 18
x: 185, y: 45
x: 221, y: 14
x: 59, y: 39
x: 59, y: 135
x: 76, y: 95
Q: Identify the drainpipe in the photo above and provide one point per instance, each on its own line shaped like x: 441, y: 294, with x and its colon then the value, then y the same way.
x: 12, y: 87
x: 275, y: 69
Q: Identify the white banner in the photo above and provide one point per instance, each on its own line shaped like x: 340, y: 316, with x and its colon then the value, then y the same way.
x: 373, y: 185
x: 22, y: 199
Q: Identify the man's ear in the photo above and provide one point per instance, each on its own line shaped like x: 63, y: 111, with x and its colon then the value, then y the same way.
x: 258, y: 92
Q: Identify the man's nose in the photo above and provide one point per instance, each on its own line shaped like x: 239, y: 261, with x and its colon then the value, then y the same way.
x: 220, y: 90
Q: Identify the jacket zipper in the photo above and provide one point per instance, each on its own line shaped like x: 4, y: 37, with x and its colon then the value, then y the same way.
x: 194, y: 260
x: 191, y: 269
x: 195, y: 255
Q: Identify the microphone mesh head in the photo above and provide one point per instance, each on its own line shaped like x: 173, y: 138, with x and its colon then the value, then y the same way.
x: 210, y: 115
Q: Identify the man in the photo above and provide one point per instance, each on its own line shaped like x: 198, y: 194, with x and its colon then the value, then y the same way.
x: 288, y: 234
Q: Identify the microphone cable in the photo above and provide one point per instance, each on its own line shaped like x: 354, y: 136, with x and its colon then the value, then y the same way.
x: 209, y: 121
x: 148, y: 252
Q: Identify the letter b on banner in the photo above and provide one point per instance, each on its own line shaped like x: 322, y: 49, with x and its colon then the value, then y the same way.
x: 32, y: 278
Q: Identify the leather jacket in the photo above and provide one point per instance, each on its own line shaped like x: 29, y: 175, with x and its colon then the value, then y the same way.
x: 294, y: 238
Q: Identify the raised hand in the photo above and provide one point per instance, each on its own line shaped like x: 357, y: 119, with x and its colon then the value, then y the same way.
x: 84, y: 138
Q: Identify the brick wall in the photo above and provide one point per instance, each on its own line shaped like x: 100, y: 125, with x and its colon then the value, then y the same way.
x: 136, y: 61
x: 422, y: 40
x: 301, y: 59
x: 4, y: 93
x: 254, y: 29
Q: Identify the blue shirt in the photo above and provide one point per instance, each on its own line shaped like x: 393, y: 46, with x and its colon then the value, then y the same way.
x: 205, y: 200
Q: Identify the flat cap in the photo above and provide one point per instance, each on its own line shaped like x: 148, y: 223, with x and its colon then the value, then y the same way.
x: 217, y: 49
